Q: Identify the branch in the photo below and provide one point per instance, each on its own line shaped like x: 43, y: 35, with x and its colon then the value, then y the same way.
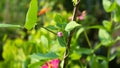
x: 66, y: 54
x: 49, y: 30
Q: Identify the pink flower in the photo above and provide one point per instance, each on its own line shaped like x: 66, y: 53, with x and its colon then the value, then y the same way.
x: 83, y: 14
x: 45, y: 65
x: 52, y: 64
x: 59, y: 34
x: 81, y: 17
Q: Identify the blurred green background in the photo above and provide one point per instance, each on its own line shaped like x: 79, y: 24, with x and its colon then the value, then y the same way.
x: 18, y: 47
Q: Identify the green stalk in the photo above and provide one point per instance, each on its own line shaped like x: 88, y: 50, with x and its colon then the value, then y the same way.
x: 88, y: 41
x: 49, y: 30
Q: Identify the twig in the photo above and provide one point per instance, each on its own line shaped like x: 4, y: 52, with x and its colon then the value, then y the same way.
x: 88, y: 41
x: 49, y: 30
x: 66, y: 54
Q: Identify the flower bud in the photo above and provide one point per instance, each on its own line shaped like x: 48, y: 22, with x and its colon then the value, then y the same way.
x: 59, y: 34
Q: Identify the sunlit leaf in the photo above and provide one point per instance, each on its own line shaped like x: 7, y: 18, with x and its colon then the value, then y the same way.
x: 117, y: 14
x: 9, y: 25
x: 107, y: 25
x: 108, y: 5
x: 112, y: 57
x: 58, y: 18
x: 71, y: 25
x: 35, y: 65
x: 75, y: 56
x: 118, y: 38
x: 44, y: 41
x: 79, y: 32
x: 60, y: 21
x: 74, y: 2
x: 40, y: 56
x: 9, y: 52
x: 105, y: 37
x: 101, y: 58
x: 31, y: 16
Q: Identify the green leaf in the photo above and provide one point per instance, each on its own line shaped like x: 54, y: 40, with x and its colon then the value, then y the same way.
x: 117, y: 39
x: 2, y: 64
x: 98, y: 62
x: 84, y: 51
x: 101, y: 58
x: 40, y: 56
x: 51, y: 27
x: 44, y: 41
x: 9, y: 51
x: 97, y: 46
x: 35, y: 65
x: 117, y: 14
x: 104, y: 64
x: 58, y: 18
x: 61, y: 41
x: 31, y: 17
x: 75, y: 56
x: 60, y: 21
x: 71, y: 25
x: 9, y: 25
x: 105, y: 37
x: 108, y: 5
x: 107, y: 25
x: 94, y: 62
x: 74, y: 2
x: 79, y: 32
x: 112, y: 57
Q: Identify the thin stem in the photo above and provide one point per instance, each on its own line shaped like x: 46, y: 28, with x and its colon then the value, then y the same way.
x: 49, y: 30
x: 108, y: 56
x: 88, y: 41
x: 66, y: 54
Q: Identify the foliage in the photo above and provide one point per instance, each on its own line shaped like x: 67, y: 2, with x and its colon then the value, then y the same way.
x: 31, y: 17
x: 39, y: 43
